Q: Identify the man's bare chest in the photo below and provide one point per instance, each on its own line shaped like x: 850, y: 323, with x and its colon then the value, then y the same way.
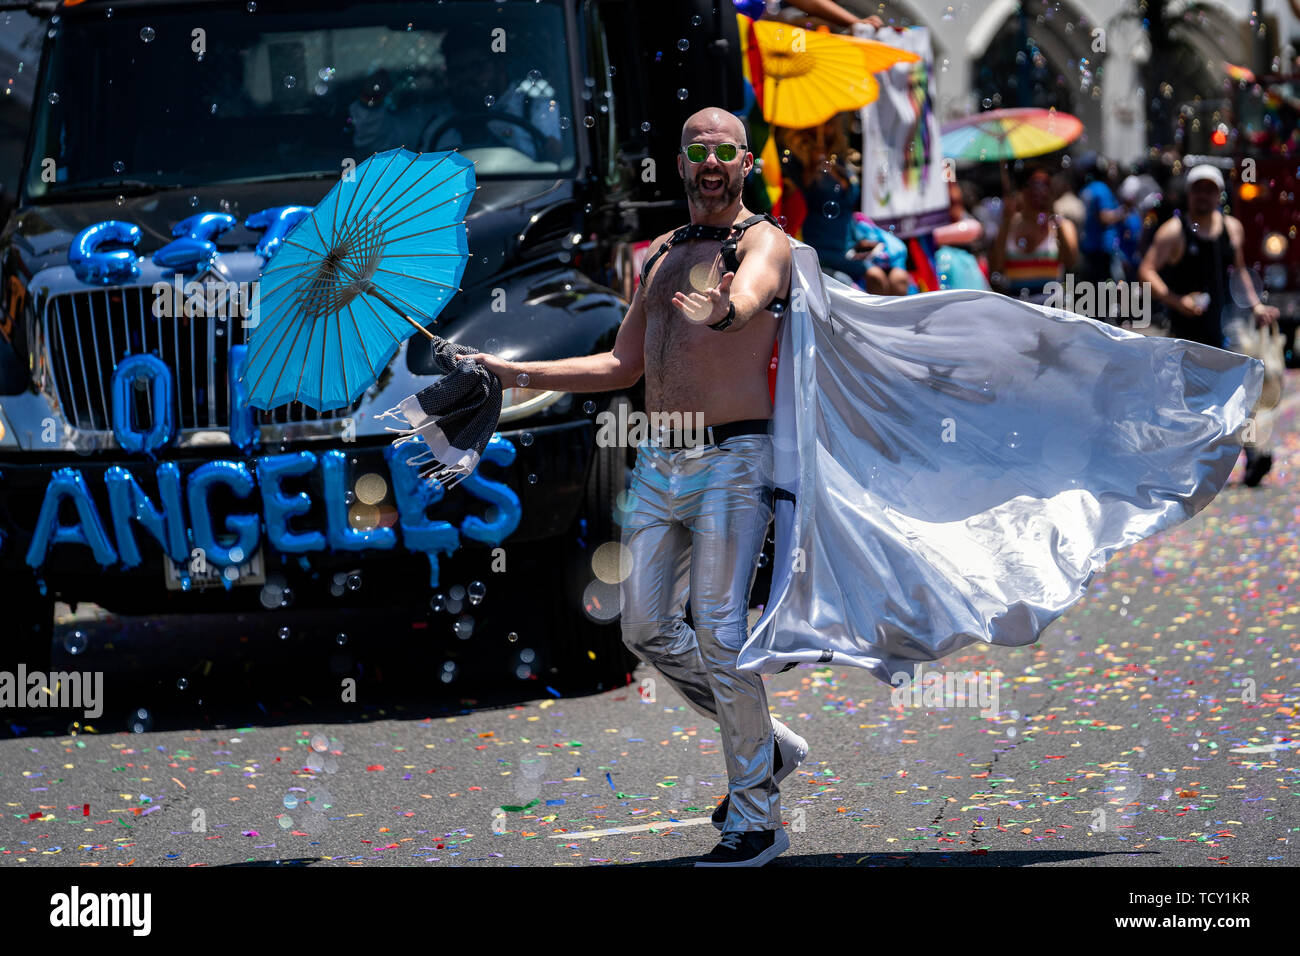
x: 689, y: 267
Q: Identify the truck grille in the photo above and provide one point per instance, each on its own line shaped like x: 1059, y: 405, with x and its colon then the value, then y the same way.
x: 88, y: 333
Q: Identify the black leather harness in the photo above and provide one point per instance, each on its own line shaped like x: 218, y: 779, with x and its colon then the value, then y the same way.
x: 729, y: 236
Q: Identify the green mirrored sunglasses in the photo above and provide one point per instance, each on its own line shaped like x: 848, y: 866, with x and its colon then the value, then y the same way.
x: 699, y: 152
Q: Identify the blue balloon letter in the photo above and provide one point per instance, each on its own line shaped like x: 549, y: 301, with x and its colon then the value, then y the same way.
x: 334, y: 465
x: 278, y: 221
x: 244, y: 432
x: 127, y: 500
x: 69, y: 483
x: 279, y: 507
x: 235, y: 474
x: 499, y: 451
x: 160, y: 391
x: 195, y: 246
x: 413, y: 499
x: 104, y: 268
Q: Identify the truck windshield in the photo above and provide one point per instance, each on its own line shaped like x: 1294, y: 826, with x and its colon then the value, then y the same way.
x: 216, y: 93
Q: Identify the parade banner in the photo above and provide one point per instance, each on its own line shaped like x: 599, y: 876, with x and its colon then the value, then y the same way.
x: 903, y: 186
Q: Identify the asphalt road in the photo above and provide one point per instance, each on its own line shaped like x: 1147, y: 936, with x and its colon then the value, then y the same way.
x: 1156, y: 723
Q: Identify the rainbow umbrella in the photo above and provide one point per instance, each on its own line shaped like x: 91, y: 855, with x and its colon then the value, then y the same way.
x: 1009, y: 134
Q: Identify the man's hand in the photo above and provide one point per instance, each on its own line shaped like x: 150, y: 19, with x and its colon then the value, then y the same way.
x: 1187, y: 304
x: 708, y: 308
x: 499, y: 367
x: 1264, y: 314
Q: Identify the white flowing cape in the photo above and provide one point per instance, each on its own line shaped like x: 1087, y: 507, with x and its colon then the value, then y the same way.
x: 962, y: 463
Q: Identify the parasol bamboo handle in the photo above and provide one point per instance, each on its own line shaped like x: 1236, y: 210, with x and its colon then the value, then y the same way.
x: 382, y: 298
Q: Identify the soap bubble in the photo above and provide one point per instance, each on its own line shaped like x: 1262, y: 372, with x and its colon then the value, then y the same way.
x: 147, y: 34
x: 290, y: 81
x: 140, y: 720
x: 456, y: 593
x: 464, y: 626
x: 522, y: 379
x: 645, y: 127
x: 526, y: 439
x: 284, y: 633
x: 588, y: 406
x: 683, y: 45
x: 589, y: 121
x: 489, y: 100
x: 320, y: 743
x: 532, y: 479
x: 118, y: 165
x: 182, y: 683
x: 682, y: 94
x: 476, y: 592
x: 75, y: 643
x: 600, y: 601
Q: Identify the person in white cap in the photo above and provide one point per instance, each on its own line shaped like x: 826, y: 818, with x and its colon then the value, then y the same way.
x: 1189, y: 264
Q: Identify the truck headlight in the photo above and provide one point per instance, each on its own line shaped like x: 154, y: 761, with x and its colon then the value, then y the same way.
x: 517, y: 403
x: 1274, y: 245
x: 7, y: 437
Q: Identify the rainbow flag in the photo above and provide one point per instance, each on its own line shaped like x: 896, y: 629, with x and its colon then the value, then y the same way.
x: 786, y: 203
x: 922, y: 249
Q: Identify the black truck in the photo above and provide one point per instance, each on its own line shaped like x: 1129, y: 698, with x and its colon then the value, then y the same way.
x: 163, y: 117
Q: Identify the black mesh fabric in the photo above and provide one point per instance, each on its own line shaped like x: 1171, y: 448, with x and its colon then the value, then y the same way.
x: 466, y: 401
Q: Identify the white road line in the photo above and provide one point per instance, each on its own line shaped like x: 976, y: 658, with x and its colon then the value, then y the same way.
x: 616, y: 831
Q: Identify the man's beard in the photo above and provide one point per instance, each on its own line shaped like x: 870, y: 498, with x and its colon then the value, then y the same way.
x: 713, y: 203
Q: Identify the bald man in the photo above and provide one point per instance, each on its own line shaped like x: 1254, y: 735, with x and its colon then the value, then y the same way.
x: 701, y: 328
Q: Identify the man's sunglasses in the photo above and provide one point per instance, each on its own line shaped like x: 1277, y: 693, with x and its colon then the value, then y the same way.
x: 726, y: 152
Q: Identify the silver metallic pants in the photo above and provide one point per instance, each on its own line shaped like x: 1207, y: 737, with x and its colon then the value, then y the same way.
x: 696, y: 523
x: 1234, y: 330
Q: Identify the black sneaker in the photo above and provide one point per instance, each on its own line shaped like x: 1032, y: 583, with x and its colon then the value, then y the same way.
x: 798, y: 750
x: 747, y: 848
x: 1256, y: 468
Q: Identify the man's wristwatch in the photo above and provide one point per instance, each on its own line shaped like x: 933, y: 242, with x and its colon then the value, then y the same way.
x: 727, y: 319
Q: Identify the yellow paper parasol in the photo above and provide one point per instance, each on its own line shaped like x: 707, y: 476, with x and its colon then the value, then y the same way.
x: 809, y: 76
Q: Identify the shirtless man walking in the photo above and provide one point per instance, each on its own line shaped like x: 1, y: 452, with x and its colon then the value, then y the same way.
x: 701, y: 329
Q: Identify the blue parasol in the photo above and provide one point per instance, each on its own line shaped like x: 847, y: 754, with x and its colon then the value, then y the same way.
x: 376, y: 260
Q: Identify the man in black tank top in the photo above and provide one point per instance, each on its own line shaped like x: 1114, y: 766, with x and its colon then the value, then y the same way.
x: 1190, y: 263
